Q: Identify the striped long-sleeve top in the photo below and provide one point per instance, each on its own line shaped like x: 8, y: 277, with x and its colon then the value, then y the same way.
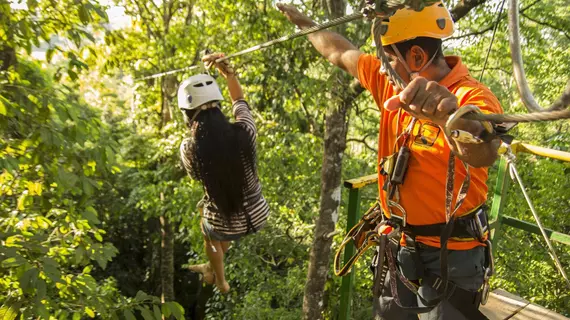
x: 254, y: 202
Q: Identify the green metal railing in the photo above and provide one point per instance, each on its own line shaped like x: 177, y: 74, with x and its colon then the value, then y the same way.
x: 496, y: 218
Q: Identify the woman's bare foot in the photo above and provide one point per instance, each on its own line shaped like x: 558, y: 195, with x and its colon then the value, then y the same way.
x: 224, y: 286
x: 205, y: 270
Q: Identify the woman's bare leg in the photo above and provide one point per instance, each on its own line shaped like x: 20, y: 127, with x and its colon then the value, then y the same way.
x: 225, y: 245
x: 215, y: 252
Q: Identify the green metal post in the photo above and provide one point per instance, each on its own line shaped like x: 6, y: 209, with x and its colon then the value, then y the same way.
x: 533, y: 228
x: 499, y: 197
x: 348, y: 280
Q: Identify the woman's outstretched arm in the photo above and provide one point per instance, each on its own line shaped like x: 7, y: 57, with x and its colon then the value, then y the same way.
x: 236, y: 93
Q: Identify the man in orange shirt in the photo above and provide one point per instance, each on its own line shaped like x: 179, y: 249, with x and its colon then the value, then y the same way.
x: 413, y: 120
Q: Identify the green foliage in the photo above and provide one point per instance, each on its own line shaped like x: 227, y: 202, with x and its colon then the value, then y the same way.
x: 89, y: 162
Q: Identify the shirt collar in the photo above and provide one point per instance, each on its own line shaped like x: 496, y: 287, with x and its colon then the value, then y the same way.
x: 458, y: 71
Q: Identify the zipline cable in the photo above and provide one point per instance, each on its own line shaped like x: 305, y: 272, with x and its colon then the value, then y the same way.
x: 318, y: 27
x: 492, y: 40
x: 388, y: 6
x: 304, y: 32
x: 162, y: 74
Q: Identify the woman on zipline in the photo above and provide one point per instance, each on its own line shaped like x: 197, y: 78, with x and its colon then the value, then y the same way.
x: 222, y: 156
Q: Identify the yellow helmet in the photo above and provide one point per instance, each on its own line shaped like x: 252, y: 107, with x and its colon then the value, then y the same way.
x: 406, y: 24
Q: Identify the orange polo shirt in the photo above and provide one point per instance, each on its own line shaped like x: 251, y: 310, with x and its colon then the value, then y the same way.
x: 422, y: 194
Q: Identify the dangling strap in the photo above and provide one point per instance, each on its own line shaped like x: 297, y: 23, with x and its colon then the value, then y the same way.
x: 449, y: 213
x: 450, y: 217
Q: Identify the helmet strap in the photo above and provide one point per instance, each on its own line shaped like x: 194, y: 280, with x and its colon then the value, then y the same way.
x: 411, y: 73
x: 205, y: 106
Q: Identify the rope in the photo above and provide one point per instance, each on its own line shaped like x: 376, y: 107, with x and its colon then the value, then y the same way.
x: 528, y: 117
x: 515, y: 176
x: 492, y: 40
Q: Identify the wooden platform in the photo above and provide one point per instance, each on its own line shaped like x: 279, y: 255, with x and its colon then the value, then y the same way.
x: 503, y: 305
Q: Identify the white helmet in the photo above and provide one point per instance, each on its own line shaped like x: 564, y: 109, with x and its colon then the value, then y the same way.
x: 198, y: 90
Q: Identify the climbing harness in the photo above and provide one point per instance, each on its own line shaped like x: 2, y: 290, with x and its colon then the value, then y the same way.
x: 375, y: 229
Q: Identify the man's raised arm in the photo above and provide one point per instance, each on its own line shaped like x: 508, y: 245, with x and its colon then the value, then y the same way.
x: 334, y: 47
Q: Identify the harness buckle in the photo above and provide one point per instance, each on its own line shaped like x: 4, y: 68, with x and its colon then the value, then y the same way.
x: 486, y: 286
x: 481, y: 226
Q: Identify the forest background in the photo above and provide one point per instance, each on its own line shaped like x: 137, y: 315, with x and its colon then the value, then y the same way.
x: 98, y: 219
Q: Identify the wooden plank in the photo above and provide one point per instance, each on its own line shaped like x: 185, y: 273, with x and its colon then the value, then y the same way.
x: 536, y: 312
x: 361, y: 182
x: 502, y: 305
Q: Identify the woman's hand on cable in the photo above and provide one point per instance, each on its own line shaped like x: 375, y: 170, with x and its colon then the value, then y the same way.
x: 425, y: 99
x: 224, y: 67
x: 294, y: 15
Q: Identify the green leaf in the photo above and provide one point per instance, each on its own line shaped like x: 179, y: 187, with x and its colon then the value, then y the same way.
x: 89, y: 312
x: 28, y: 278
x: 63, y: 315
x: 90, y: 214
x: 129, y: 314
x: 52, y: 272
x: 9, y: 312
x: 146, y: 313
x: 2, y: 108
x: 72, y: 75
x: 77, y: 316
x: 102, y: 13
x: 176, y: 309
x: 15, y: 261
x: 41, y: 289
x: 165, y: 310
x: 141, y: 296
x: 32, y: 4
x: 42, y: 310
x: 79, y: 252
x: 83, y: 14
x: 157, y: 313
x: 49, y: 54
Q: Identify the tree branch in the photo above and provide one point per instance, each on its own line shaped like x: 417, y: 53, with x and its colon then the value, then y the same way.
x: 363, y: 141
x: 310, y: 118
x: 489, y: 28
x: 146, y: 21
x: 547, y: 24
x: 463, y: 8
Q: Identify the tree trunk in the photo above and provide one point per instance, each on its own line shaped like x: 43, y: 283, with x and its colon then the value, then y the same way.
x: 335, y: 144
x: 166, y: 258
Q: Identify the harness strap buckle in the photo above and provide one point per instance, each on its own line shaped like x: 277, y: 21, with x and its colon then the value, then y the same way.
x: 486, y: 286
x: 481, y: 224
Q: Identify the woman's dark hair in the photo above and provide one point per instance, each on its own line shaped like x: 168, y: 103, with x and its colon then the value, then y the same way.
x: 217, y: 153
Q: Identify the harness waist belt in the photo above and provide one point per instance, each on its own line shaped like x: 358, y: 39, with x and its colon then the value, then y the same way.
x: 474, y: 225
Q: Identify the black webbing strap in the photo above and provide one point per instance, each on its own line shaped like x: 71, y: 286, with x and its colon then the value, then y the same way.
x: 465, y: 227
